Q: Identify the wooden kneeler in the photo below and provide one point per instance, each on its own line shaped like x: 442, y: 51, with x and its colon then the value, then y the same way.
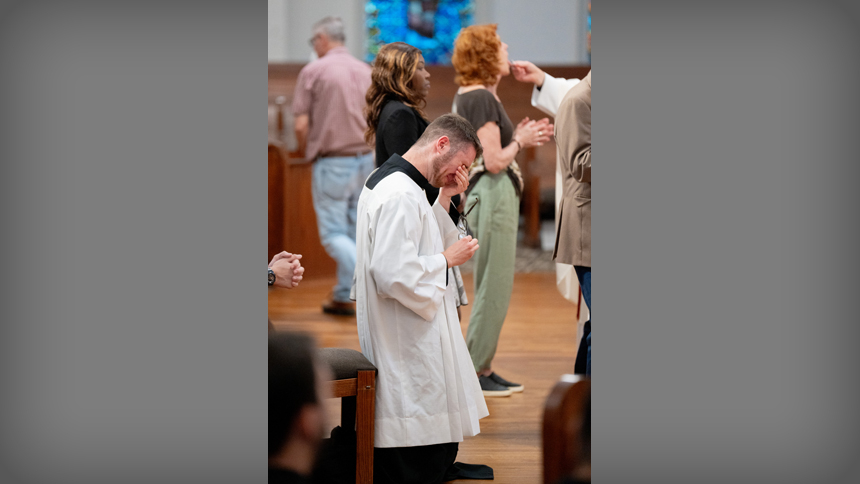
x: 355, y: 384
x: 563, y: 419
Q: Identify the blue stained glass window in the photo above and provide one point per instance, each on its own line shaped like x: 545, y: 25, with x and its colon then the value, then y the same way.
x: 430, y: 25
x: 589, y: 33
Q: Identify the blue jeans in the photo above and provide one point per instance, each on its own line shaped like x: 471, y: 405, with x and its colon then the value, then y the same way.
x: 336, y: 185
x: 584, y: 275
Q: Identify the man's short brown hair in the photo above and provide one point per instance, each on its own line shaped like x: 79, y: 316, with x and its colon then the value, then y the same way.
x: 457, y: 129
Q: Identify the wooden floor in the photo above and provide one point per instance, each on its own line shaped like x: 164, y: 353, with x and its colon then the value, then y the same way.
x: 536, y: 348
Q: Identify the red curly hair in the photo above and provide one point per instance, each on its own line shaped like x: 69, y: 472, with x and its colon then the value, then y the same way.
x: 476, y: 55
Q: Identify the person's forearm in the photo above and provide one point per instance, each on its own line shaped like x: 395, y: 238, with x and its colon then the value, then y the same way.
x: 301, y: 130
x: 540, y: 77
x: 443, y: 200
x: 501, y: 159
x: 548, y: 97
x: 301, y: 139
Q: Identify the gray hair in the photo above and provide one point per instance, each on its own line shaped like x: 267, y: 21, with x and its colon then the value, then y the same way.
x: 332, y: 27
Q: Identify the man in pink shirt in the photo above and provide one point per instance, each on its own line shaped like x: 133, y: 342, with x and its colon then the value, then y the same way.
x: 328, y: 106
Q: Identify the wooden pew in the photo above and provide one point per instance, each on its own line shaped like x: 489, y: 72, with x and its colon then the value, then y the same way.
x: 563, y: 420
x: 292, y: 220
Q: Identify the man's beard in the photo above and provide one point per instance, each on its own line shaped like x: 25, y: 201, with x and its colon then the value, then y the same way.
x: 437, y: 175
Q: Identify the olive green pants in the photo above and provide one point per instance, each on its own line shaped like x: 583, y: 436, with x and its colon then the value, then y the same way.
x: 494, y: 222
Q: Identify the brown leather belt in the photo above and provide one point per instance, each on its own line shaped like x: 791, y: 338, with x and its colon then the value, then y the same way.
x: 343, y: 154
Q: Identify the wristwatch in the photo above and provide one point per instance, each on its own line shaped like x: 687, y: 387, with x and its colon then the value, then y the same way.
x: 272, y: 277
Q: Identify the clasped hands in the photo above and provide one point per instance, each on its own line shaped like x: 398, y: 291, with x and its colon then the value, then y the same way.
x: 533, y: 133
x: 287, y: 268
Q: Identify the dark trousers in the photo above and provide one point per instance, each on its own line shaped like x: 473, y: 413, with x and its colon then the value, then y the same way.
x: 582, y: 365
x: 425, y: 464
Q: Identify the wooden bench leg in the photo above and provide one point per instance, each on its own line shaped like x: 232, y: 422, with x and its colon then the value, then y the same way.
x: 364, y: 429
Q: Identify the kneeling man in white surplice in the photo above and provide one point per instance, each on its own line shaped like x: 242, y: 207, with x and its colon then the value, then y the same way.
x: 428, y: 397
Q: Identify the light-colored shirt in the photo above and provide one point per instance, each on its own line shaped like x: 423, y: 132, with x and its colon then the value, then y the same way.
x: 549, y: 96
x: 331, y: 92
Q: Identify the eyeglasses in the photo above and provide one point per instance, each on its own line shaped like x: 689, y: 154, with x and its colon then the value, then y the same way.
x: 313, y: 39
x: 462, y: 223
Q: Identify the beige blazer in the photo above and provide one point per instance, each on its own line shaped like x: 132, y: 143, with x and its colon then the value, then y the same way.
x: 573, y: 142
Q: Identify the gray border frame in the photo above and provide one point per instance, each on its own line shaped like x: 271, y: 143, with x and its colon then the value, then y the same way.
x: 725, y: 240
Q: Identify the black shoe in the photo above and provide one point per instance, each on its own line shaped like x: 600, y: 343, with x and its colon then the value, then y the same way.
x: 339, y: 308
x: 493, y: 389
x: 514, y: 387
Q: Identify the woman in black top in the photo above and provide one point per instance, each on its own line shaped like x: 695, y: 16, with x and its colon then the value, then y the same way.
x: 395, y: 100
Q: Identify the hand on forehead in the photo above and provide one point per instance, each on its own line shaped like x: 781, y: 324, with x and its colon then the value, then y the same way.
x: 467, y: 156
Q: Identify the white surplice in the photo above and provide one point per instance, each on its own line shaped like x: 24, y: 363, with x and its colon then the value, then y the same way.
x: 427, y: 390
x: 549, y: 96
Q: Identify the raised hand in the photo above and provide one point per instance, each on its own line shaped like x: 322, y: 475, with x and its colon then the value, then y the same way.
x: 525, y: 71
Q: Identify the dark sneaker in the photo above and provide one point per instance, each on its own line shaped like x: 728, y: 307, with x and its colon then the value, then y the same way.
x: 339, y: 308
x: 514, y: 387
x: 493, y: 389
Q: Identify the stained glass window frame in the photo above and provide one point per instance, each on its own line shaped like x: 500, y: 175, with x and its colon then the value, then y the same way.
x: 386, y: 22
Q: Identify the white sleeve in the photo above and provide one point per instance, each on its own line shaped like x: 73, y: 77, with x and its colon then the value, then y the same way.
x: 399, y: 271
x: 446, y: 226
x: 549, y: 97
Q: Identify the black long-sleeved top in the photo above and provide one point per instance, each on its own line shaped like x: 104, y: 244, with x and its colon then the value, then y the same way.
x: 399, y: 128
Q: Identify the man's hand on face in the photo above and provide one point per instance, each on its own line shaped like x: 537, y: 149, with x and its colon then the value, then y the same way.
x: 461, y: 183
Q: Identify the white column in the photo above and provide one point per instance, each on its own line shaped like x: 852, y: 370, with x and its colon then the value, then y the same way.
x: 277, y: 31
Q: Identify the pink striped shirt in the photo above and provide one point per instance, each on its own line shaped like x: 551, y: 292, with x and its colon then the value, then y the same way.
x: 331, y: 92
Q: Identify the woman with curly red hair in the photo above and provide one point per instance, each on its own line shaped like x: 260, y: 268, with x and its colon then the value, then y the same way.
x: 481, y: 60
